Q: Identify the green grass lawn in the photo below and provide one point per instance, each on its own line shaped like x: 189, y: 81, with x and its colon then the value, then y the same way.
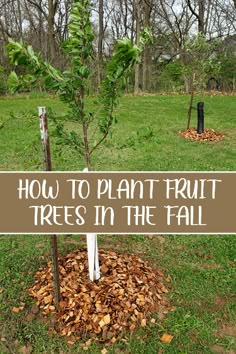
x: 202, y: 291
x: 145, y: 138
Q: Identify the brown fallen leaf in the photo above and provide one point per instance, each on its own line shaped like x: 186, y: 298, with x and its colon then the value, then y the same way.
x: 104, y: 351
x: 143, y: 322
x: 104, y: 269
x: 160, y: 273
x: 48, y: 299
x: 70, y: 342
x: 16, y: 309
x: 166, y: 338
x: 132, y: 327
x: 88, y: 342
x: 113, y: 340
x: 27, y: 349
x: 105, y: 320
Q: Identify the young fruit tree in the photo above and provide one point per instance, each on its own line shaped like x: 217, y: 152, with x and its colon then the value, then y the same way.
x: 71, y: 84
x: 92, y: 125
x: 199, y: 64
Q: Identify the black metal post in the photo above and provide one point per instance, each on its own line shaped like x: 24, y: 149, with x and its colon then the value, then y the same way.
x: 200, y: 117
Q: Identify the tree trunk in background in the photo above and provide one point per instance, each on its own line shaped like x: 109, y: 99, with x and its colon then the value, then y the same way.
x: 201, y: 27
x: 40, y: 30
x: 146, y: 53
x: 52, y: 7
x: 132, y: 34
x: 100, y: 41
x: 182, y: 56
x: 126, y: 18
x: 200, y: 15
x: 138, y: 29
x: 20, y: 22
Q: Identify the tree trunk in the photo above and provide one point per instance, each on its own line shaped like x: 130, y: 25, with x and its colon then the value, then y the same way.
x: 51, y: 33
x: 200, y: 15
x: 146, y: 52
x: 201, y: 27
x: 20, y: 20
x: 100, y: 41
x: 132, y: 34
x: 126, y: 18
x: 40, y: 30
x: 138, y: 29
x: 191, y: 101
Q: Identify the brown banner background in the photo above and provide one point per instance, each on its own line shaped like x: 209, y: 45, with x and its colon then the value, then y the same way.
x: 219, y: 214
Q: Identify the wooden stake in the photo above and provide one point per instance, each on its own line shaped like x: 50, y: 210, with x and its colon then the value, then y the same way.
x: 48, y: 167
x: 56, y: 280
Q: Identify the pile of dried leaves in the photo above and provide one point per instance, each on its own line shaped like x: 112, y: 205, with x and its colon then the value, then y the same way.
x: 207, y: 135
x: 127, y: 292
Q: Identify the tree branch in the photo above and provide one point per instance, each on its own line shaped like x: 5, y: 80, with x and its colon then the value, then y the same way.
x: 99, y: 143
x: 35, y: 4
x: 192, y: 10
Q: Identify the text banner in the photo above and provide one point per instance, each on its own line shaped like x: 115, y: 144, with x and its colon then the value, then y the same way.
x: 117, y: 203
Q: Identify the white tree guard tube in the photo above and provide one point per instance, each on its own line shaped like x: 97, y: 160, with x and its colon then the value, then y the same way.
x: 93, y: 262
x: 92, y: 248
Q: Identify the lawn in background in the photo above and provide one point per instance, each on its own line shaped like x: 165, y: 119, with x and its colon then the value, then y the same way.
x: 201, y: 268
x: 144, y: 139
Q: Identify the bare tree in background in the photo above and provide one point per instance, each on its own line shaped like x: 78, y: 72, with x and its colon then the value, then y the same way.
x: 48, y: 9
x: 44, y: 24
x: 146, y: 53
x: 199, y: 14
x: 52, y: 8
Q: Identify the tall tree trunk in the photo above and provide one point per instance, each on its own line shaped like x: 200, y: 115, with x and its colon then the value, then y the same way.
x: 52, y: 6
x: 20, y: 19
x: 132, y: 34
x: 200, y: 15
x: 100, y: 40
x: 138, y: 29
x: 126, y: 18
x: 146, y: 52
x: 182, y: 56
x: 40, y: 30
x: 201, y: 24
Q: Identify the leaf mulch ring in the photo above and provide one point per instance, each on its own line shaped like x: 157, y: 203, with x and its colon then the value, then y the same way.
x: 121, y: 300
x: 207, y: 135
